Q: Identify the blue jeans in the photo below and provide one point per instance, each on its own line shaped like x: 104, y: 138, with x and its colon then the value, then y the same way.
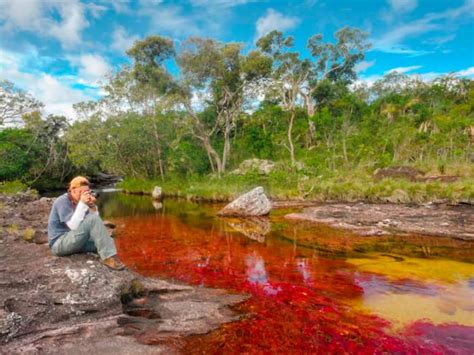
x: 91, y: 236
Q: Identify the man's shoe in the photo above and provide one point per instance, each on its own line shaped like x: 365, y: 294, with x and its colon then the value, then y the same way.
x: 113, y: 263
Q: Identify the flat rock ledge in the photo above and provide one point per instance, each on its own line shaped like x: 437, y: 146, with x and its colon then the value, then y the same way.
x: 76, y: 305
x: 456, y: 221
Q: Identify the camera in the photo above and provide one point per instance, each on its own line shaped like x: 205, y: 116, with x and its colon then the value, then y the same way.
x: 94, y: 193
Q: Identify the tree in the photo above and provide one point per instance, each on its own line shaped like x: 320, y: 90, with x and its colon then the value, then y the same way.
x: 333, y: 62
x: 212, y: 74
x: 225, y: 75
x: 296, y: 78
x: 52, y: 161
x: 16, y: 156
x: 290, y: 72
x: 14, y: 103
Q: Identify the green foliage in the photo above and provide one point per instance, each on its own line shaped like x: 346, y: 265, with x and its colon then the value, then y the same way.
x: 154, y: 127
x: 16, y: 156
x: 12, y: 187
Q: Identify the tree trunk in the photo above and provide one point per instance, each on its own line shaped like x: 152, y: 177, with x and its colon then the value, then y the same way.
x: 310, y: 108
x: 226, y: 152
x: 158, y: 150
x: 200, y: 133
x: 212, y: 153
x: 344, y: 149
x: 309, y: 105
x: 290, y: 138
x: 211, y: 161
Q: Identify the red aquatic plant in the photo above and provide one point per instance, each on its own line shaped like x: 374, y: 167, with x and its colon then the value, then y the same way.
x: 300, y: 302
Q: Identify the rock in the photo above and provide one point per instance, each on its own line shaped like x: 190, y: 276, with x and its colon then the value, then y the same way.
x: 4, y: 329
x: 261, y: 166
x: 253, y: 203
x: 398, y: 196
x: 399, y: 172
x: 379, y: 219
x: 157, y: 193
x: 41, y: 237
x: 109, y: 224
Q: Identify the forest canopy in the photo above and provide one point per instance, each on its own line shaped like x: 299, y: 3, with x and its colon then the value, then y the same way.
x: 205, y: 106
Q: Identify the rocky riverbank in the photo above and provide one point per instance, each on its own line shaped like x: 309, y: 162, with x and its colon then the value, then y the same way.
x: 76, y: 305
x: 454, y: 221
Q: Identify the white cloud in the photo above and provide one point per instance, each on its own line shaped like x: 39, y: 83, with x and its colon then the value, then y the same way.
x: 119, y: 6
x: 179, y: 20
x: 63, y: 20
x: 56, y: 92
x: 121, y: 40
x: 401, y: 6
x: 392, y: 41
x: 57, y: 96
x: 92, y: 68
x: 23, y: 15
x: 469, y: 72
x: 222, y: 3
x: 363, y: 66
x: 403, y: 70
x: 273, y: 20
x: 171, y: 19
x: 427, y: 76
x: 73, y: 21
x: 440, y: 40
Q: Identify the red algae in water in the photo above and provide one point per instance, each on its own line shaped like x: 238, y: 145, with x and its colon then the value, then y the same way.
x: 300, y: 303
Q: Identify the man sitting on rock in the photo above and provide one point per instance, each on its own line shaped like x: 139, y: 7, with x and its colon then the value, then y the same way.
x: 74, y: 226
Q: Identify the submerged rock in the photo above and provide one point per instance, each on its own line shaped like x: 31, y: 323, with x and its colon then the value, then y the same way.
x: 253, y: 203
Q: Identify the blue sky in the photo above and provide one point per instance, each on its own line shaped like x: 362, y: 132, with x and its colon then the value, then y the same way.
x: 60, y: 50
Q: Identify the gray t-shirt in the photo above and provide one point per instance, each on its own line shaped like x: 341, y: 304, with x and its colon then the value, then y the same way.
x: 61, y: 212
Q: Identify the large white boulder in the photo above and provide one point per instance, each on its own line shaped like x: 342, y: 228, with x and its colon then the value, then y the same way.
x: 253, y: 203
x: 157, y: 193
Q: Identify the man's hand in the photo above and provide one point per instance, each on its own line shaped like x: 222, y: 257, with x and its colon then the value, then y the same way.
x: 88, y: 198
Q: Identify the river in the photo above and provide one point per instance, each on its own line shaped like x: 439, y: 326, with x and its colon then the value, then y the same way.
x: 312, y: 289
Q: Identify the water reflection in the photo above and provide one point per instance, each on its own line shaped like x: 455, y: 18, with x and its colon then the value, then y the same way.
x: 253, y: 227
x: 157, y: 205
x: 302, y: 265
x: 257, y: 275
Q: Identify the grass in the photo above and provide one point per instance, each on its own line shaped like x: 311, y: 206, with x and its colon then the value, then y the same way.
x: 353, y: 186
x: 12, y: 229
x: 28, y: 234
x: 14, y: 187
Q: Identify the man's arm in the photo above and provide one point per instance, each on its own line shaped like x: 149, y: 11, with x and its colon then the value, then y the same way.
x: 78, y: 216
